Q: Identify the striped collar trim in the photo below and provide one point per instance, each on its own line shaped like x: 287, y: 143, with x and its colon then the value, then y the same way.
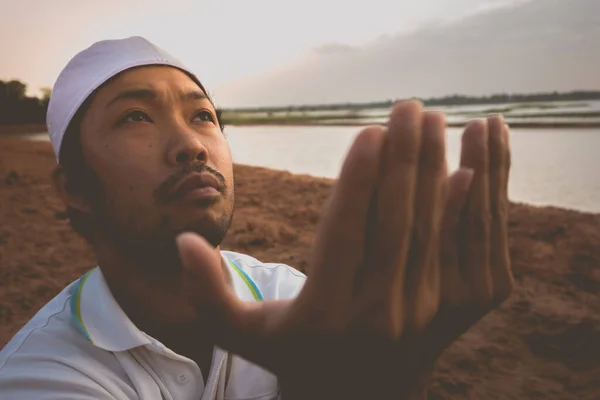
x: 103, y: 323
x: 99, y: 318
x: 76, y: 306
x: 247, y: 280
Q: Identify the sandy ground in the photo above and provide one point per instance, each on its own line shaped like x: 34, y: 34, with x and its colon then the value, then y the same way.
x: 544, y: 343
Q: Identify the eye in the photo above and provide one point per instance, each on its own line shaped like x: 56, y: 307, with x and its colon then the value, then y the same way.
x: 136, y: 116
x: 204, y: 116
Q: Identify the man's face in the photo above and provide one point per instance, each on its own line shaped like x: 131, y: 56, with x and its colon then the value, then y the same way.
x: 152, y: 137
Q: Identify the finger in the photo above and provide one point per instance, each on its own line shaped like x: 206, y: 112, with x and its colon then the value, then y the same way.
x: 203, y: 278
x: 458, y: 188
x: 340, y: 240
x: 452, y: 286
x: 476, y: 221
x: 502, y: 278
x: 423, y: 275
x: 381, y: 302
x: 507, y: 157
x: 245, y: 328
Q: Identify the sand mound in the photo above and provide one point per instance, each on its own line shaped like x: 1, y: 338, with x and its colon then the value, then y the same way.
x: 544, y: 343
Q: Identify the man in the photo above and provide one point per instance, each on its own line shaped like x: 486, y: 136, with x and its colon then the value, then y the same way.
x: 405, y: 258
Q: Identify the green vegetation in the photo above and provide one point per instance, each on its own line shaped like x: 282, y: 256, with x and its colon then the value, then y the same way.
x: 591, y: 114
x: 518, y: 107
x: 454, y: 100
x: 232, y: 118
x: 16, y: 108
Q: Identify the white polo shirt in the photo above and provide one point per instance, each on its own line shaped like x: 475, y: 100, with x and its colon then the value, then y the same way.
x: 81, y: 345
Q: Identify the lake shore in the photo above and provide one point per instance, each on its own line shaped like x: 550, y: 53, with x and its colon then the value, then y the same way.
x: 532, y: 125
x: 15, y: 130
x: 542, y: 343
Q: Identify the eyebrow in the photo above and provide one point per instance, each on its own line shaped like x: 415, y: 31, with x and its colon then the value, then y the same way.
x: 149, y: 94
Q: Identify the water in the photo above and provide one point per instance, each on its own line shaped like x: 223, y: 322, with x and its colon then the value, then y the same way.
x: 574, y: 112
x: 559, y: 167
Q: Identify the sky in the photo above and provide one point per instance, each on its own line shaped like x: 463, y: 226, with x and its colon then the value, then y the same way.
x: 277, y: 52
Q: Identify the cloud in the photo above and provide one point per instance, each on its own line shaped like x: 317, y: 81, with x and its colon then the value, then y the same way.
x: 334, y: 49
x: 529, y: 46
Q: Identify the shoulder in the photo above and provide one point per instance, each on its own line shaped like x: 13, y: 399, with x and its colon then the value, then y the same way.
x: 275, y: 280
x: 49, y: 358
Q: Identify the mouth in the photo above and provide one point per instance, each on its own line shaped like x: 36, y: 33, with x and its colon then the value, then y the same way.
x: 198, y: 186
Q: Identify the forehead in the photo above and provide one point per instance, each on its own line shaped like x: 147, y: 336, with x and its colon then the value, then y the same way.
x: 157, y: 78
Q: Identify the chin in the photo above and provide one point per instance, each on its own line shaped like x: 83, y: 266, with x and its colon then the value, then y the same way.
x: 214, y: 233
x: 211, y: 223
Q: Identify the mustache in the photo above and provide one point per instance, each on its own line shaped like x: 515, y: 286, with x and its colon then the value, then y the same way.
x: 164, y: 193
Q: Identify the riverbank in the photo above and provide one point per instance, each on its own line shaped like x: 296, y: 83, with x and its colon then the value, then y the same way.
x: 15, y: 130
x: 543, y: 343
x: 532, y: 125
x: 12, y: 130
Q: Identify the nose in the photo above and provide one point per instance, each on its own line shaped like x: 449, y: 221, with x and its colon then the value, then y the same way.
x: 187, y: 148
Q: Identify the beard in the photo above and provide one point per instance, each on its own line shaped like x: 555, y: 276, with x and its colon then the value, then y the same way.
x: 153, y: 246
x: 157, y: 245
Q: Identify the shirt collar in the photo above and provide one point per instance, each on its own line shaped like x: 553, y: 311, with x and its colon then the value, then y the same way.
x: 100, y: 318
x: 103, y: 323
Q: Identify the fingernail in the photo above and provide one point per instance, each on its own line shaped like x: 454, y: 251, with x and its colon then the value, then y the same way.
x: 419, y: 101
x: 435, y: 118
x: 476, y: 130
x: 409, y: 100
x: 476, y: 121
x: 497, y: 115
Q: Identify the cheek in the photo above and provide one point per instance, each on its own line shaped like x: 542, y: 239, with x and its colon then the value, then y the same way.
x: 223, y: 162
x: 129, y: 172
x: 128, y: 188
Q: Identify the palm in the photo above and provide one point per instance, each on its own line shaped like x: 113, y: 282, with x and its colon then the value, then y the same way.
x: 475, y: 271
x: 379, y: 293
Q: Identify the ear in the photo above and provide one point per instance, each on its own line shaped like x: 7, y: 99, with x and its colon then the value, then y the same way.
x: 71, y: 198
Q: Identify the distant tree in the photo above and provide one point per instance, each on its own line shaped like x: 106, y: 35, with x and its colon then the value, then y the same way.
x: 16, y: 90
x: 17, y: 108
x: 46, y: 92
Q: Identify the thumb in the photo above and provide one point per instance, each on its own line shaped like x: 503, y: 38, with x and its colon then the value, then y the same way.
x: 203, y: 277
x: 237, y: 326
x: 205, y: 286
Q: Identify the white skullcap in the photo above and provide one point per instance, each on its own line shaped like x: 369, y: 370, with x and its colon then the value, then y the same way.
x: 92, y: 67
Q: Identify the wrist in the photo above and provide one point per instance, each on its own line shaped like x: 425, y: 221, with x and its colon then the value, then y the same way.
x: 419, y: 390
x: 330, y: 389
